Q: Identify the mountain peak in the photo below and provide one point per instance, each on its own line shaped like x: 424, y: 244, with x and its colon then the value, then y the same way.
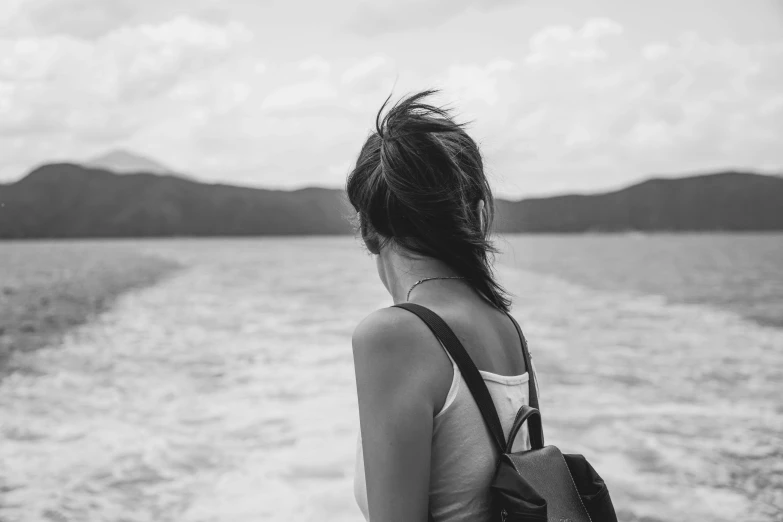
x: 124, y: 161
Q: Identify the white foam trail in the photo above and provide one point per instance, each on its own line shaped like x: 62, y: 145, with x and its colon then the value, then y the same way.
x: 227, y: 394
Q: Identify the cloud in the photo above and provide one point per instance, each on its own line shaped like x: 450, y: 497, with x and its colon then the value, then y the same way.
x: 686, y: 104
x: 93, y: 19
x: 155, y: 57
x: 476, y: 83
x: 655, y: 50
x: 375, y: 18
x: 366, y: 83
x: 298, y: 94
x: 316, y: 64
x: 72, y: 95
x: 126, y: 63
x: 362, y: 69
x: 562, y: 43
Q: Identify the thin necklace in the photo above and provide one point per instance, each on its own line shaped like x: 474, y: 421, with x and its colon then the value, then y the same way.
x: 420, y: 281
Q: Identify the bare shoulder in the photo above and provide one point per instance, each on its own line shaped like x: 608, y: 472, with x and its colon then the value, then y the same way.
x: 396, y: 354
x: 389, y: 327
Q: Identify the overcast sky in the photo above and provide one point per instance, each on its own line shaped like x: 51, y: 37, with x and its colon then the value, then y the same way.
x: 565, y: 95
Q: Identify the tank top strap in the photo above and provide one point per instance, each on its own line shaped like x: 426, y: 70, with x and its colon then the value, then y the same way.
x: 454, y: 388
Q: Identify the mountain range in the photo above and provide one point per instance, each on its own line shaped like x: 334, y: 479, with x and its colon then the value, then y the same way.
x: 722, y: 201
x: 68, y: 200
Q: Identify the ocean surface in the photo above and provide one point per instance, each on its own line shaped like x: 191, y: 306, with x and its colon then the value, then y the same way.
x: 226, y: 392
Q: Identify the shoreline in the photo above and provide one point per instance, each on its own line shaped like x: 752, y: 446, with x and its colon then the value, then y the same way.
x: 41, y: 298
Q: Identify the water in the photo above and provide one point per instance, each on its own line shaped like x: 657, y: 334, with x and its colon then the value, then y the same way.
x: 741, y: 273
x: 226, y: 392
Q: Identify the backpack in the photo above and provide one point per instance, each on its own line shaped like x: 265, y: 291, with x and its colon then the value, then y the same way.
x: 536, y: 485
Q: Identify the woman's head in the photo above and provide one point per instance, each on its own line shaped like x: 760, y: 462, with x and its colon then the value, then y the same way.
x: 418, y: 185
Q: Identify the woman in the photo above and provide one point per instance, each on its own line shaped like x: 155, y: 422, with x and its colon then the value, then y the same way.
x: 425, y: 209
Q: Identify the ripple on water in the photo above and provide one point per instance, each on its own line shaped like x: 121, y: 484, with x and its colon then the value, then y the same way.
x: 216, y: 395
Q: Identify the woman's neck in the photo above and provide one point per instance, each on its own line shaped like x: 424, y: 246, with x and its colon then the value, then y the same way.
x: 399, y: 272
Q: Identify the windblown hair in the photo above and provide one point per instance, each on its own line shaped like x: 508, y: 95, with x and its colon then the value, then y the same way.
x: 417, y: 183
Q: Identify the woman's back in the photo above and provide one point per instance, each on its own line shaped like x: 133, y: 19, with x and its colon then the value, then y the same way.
x: 424, y: 209
x: 463, y: 456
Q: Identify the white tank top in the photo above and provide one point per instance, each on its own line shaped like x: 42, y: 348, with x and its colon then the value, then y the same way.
x: 464, y: 457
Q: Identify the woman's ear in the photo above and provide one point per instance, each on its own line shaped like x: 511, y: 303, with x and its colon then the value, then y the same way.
x: 480, y: 212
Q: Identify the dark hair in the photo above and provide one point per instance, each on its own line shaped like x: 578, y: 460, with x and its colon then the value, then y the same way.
x: 417, y: 183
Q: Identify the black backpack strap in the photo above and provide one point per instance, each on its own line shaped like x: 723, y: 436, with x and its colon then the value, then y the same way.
x: 469, y: 371
x: 528, y: 365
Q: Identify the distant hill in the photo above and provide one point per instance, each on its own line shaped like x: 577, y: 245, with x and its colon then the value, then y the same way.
x: 722, y: 201
x: 123, y: 161
x: 68, y: 201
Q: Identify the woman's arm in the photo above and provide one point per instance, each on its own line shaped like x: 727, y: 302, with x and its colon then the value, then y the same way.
x: 397, y: 384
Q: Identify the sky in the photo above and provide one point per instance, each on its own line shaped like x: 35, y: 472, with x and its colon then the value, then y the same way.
x: 562, y: 95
